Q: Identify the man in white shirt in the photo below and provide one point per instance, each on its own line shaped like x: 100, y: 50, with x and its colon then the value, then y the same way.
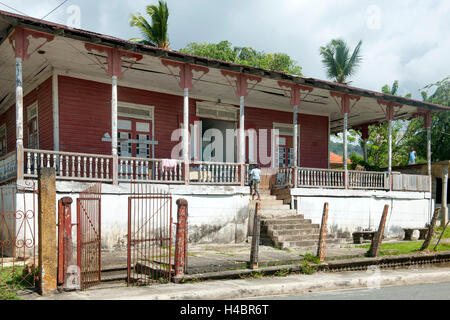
x: 255, y: 179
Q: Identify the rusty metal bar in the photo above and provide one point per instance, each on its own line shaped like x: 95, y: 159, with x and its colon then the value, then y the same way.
x: 378, y: 237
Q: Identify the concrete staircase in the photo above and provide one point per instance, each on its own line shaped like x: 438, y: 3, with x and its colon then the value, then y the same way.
x: 283, y: 227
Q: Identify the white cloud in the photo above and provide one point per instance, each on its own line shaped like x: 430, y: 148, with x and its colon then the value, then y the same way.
x: 411, y: 44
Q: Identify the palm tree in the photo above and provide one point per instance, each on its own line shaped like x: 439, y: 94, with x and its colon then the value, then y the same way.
x: 393, y: 90
x: 154, y: 34
x: 337, y: 60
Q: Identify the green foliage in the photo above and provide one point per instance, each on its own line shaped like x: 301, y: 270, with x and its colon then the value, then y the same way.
x: 244, y: 55
x: 282, y: 273
x: 154, y: 33
x: 440, y: 124
x: 338, y: 62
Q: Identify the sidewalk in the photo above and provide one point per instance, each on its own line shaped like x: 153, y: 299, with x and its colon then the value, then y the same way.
x: 248, y: 288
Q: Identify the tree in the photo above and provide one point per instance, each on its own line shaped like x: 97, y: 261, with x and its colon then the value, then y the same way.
x: 393, y: 90
x: 154, y: 33
x: 244, y: 55
x: 338, y: 62
x: 440, y: 124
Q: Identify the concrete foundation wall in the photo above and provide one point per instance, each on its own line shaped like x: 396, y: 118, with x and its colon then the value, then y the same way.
x: 354, y: 210
x: 217, y: 214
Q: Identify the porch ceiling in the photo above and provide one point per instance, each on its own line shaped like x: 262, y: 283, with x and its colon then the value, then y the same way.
x: 67, y: 55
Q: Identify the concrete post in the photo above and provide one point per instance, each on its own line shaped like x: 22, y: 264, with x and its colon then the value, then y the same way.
x: 186, y: 135
x: 378, y: 237
x: 47, y: 231
x: 444, y: 195
x: 114, y: 132
x: 19, y: 120
x: 323, y: 234
x: 181, y: 239
x: 255, y: 237
x: 390, y: 147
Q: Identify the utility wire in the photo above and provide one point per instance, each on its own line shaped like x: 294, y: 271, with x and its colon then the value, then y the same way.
x: 54, y: 9
x: 24, y: 14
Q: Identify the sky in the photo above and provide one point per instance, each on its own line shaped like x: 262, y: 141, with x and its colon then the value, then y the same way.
x: 403, y: 40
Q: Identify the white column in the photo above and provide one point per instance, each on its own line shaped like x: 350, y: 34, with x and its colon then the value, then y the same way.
x: 242, y: 139
x: 55, y: 103
x: 186, y: 135
x: 19, y: 120
x: 430, y: 178
x: 444, y: 207
x: 242, y: 131
x: 345, y: 149
x: 296, y: 164
x: 114, y: 130
x: 390, y: 147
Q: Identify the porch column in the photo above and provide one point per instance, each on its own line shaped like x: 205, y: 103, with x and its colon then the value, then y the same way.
x: 19, y: 120
x: 365, y: 138
x: 427, y: 123
x: 444, y: 207
x: 296, y: 141
x: 242, y: 138
x: 114, y: 132
x: 186, y: 157
x: 345, y: 149
x: 390, y: 117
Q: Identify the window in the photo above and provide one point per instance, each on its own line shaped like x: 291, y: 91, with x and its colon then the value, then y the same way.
x: 3, y: 141
x: 32, y: 121
x: 135, y: 130
x: 216, y: 111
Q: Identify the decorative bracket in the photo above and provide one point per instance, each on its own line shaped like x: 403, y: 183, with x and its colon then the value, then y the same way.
x: 185, y: 72
x: 390, y: 105
x: 114, y: 58
x: 241, y: 87
x: 296, y: 90
x: 20, y: 42
x: 345, y: 100
x: 427, y: 116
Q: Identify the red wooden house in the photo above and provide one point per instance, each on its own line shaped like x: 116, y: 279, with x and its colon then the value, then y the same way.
x: 102, y: 109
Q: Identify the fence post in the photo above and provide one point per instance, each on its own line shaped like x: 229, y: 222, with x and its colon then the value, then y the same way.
x: 181, y: 239
x: 255, y: 237
x: 378, y: 237
x: 46, y: 231
x: 427, y: 241
x: 65, y: 254
x: 323, y: 234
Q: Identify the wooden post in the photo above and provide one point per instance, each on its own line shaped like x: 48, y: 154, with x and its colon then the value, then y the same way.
x: 345, y: 150
x: 47, y: 231
x: 114, y: 132
x: 444, y: 200
x: 427, y: 241
x: 378, y: 237
x: 242, y: 138
x: 323, y: 234
x: 255, y: 236
x: 19, y: 120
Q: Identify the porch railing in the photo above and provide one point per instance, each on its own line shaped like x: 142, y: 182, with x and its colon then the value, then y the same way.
x: 368, y: 180
x: 69, y: 165
x: 307, y: 177
x: 410, y: 182
x: 215, y: 173
x: 151, y: 170
x: 326, y: 178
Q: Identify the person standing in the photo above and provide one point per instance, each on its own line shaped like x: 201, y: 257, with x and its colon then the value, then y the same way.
x: 255, y: 179
x: 412, y: 156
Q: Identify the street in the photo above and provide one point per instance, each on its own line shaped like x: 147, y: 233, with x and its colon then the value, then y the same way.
x: 426, y: 291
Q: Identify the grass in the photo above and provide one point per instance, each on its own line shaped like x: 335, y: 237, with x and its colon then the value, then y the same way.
x: 11, y: 283
x: 391, y: 249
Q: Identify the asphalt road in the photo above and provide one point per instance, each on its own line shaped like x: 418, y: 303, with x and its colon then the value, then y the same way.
x: 428, y: 291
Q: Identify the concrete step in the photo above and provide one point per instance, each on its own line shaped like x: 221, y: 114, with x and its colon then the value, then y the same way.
x: 277, y: 212
x: 310, y: 243
x: 270, y: 222
x: 266, y: 202
x: 293, y: 226
x: 302, y: 237
x: 293, y: 232
x: 113, y: 274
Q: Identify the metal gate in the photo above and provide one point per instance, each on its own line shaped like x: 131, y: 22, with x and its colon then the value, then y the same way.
x: 18, y: 221
x: 149, y: 235
x: 89, y: 236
